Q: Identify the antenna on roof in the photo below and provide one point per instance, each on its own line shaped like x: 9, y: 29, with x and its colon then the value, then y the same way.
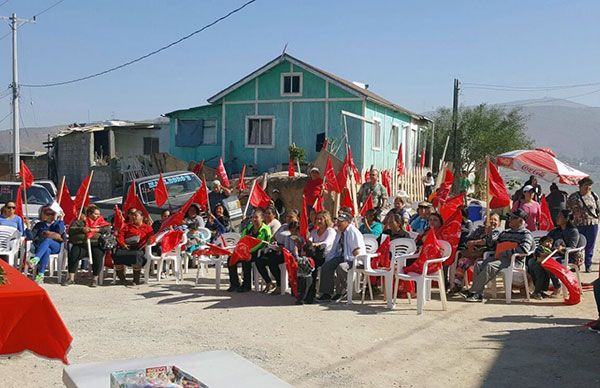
x: 283, y: 52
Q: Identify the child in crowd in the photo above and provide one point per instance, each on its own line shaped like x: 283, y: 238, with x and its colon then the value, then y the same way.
x: 295, y: 244
x: 537, y: 272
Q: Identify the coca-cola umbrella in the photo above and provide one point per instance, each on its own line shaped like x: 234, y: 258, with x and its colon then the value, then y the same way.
x: 541, y: 163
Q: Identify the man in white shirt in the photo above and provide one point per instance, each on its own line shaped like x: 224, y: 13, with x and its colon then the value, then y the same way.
x: 348, y: 243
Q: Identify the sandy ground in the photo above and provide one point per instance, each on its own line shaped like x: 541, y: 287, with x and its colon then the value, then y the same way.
x: 470, y: 345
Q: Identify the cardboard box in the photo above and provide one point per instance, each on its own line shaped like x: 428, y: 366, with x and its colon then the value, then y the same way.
x: 165, y: 376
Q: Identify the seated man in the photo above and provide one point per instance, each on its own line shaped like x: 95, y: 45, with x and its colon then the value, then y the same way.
x: 517, y: 239
x: 421, y: 221
x: 348, y: 243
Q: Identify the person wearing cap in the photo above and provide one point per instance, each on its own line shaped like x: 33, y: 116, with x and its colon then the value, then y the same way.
x: 373, y: 188
x: 47, y: 236
x: 348, y: 243
x: 516, y: 239
x: 312, y: 188
x: 586, y: 211
x: 557, y: 201
x: 218, y: 194
x: 529, y: 206
x: 421, y: 221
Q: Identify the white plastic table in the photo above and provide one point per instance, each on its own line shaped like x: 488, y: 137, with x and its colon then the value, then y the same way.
x: 215, y: 369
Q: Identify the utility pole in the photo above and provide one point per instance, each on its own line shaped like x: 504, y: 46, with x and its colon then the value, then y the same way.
x: 14, y: 25
x: 455, y: 151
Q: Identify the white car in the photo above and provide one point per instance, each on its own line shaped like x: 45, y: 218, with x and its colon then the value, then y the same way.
x: 37, y: 196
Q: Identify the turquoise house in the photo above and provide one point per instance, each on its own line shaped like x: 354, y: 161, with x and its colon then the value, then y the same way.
x: 287, y: 101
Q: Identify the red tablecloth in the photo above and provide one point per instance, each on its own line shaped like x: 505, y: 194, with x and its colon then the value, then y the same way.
x: 29, y: 320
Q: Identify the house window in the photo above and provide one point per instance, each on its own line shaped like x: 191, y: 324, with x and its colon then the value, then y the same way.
x: 193, y: 133
x: 260, y: 132
x: 151, y: 145
x: 291, y: 84
x: 395, y: 137
x: 376, y: 141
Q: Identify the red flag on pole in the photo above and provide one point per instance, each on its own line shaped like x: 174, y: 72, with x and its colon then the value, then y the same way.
x: 441, y: 194
x: 383, y: 251
x: 368, y: 205
x: 385, y: 181
x: 259, y: 198
x: 26, y: 175
x: 451, y: 205
x: 160, y: 192
x: 174, y: 219
x: 431, y: 250
x: 498, y: 192
x: 198, y: 168
x: 222, y: 174
x: 132, y: 201
x: 342, y: 175
x: 200, y: 197
x: 19, y: 202
x: 350, y: 162
x: 292, y: 269
x: 400, y: 161
x: 211, y: 250
x: 566, y: 277
x: 318, y: 205
x: 304, y: 219
x: 243, y: 248
x: 291, y: 171
x: 347, y: 202
x: 450, y: 232
x: 241, y: 186
x: 546, y: 222
x: 82, y: 198
x: 171, y: 240
x: 330, y: 179
x: 422, y: 161
x: 118, y: 220
x: 67, y: 205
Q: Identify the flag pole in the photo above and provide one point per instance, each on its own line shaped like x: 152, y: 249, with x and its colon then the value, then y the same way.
x: 60, y: 190
x: 487, y: 192
x: 26, y: 213
x: 242, y: 178
x: 87, y: 190
x: 250, y: 196
x: 206, y: 189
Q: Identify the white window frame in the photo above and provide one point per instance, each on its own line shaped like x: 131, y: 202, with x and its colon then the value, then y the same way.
x: 254, y: 117
x: 397, y: 128
x: 291, y: 74
x: 376, y: 123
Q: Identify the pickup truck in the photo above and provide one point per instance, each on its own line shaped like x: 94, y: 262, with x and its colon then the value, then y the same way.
x: 181, y: 185
x: 37, y: 196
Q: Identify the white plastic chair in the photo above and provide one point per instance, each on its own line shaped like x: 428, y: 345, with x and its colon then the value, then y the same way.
x: 204, y: 238
x: 10, y: 240
x: 516, y: 267
x: 357, y: 269
x: 173, y: 256
x: 56, y: 261
x: 398, y: 247
x: 423, y: 280
x: 537, y: 235
x: 412, y: 234
x: 218, y: 262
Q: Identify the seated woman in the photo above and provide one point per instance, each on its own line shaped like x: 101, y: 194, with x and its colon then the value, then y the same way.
x: 47, y: 236
x: 218, y: 222
x: 257, y: 229
x: 8, y: 217
x: 319, y: 244
x: 290, y: 216
x: 193, y: 218
x: 398, y: 209
x: 371, y: 224
x: 157, y: 224
x: 90, y: 227
x: 395, y: 227
x: 434, y: 222
x: 132, y: 240
x: 271, y: 220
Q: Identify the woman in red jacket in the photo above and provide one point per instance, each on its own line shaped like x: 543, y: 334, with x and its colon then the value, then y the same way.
x: 132, y: 238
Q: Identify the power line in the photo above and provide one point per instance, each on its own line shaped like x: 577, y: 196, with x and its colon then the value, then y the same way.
x: 4, y: 2
x: 143, y: 56
x: 47, y: 9
x: 5, y: 117
x: 474, y: 85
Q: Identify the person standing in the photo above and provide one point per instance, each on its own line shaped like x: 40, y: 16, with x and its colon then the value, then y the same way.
x: 557, y: 201
x: 429, y: 183
x: 375, y: 189
x: 584, y: 205
x: 313, y: 187
x: 530, y: 207
x: 464, y: 183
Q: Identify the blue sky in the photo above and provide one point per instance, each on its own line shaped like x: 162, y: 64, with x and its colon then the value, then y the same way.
x: 407, y: 51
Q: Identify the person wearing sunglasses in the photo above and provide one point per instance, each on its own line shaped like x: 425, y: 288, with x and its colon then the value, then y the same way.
x: 48, y: 236
x: 9, y: 217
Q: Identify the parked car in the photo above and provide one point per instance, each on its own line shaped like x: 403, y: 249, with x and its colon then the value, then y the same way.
x: 37, y: 196
x: 49, y: 185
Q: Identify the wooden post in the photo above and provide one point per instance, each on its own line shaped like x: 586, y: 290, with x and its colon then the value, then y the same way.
x: 207, y: 198
x: 87, y: 189
x: 336, y: 206
x: 250, y: 196
x: 60, y: 190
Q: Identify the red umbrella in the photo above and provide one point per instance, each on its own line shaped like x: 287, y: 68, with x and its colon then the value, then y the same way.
x: 542, y: 163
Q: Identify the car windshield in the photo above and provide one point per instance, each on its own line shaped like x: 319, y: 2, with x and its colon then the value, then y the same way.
x: 35, y: 195
x: 176, y: 185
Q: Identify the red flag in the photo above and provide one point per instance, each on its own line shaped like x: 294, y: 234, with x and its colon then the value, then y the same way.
x: 368, y: 205
x: 566, y: 277
x: 222, y: 174
x: 546, y: 222
x: 26, y: 175
x: 347, y: 201
x: 19, y: 202
x: 160, y: 192
x: 431, y: 250
x: 367, y: 175
x: 330, y: 179
x: 383, y: 252
x: 118, y: 220
x: 342, y: 175
x: 498, y: 192
x: 67, y: 205
x: 242, y: 249
x: 82, y: 197
x: 386, y: 182
x: 450, y: 232
x: 211, y: 250
x: 200, y: 197
x: 450, y: 206
x: 292, y: 269
x: 304, y: 219
x: 258, y: 197
x: 291, y: 171
x: 422, y: 161
x: 174, y: 219
x: 171, y: 240
x: 350, y: 162
x: 198, y: 168
x: 325, y: 143
x: 444, y: 189
x: 241, y: 186
x: 132, y: 201
x: 318, y: 205
x: 400, y: 162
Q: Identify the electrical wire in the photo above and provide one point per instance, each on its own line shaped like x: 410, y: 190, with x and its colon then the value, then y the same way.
x: 5, y: 117
x: 131, y: 62
x: 47, y: 9
x: 474, y: 85
x: 4, y: 2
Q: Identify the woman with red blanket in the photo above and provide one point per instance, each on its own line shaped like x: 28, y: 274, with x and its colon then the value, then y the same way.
x: 88, y: 227
x: 132, y: 239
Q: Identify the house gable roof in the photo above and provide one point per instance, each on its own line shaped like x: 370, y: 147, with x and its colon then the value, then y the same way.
x: 338, y: 81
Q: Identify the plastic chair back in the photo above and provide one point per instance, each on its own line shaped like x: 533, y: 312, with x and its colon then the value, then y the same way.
x: 231, y: 239
x: 371, y: 243
x: 582, y: 241
x: 402, y: 246
x: 8, y: 234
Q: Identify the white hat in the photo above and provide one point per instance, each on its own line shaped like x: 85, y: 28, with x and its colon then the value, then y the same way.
x: 527, y: 188
x: 402, y: 194
x: 315, y: 169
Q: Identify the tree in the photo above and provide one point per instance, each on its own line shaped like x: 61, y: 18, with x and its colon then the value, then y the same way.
x: 483, y: 132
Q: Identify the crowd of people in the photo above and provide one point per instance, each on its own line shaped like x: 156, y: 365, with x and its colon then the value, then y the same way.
x: 329, y: 248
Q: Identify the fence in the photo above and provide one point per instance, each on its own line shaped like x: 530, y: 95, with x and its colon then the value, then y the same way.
x: 412, y: 183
